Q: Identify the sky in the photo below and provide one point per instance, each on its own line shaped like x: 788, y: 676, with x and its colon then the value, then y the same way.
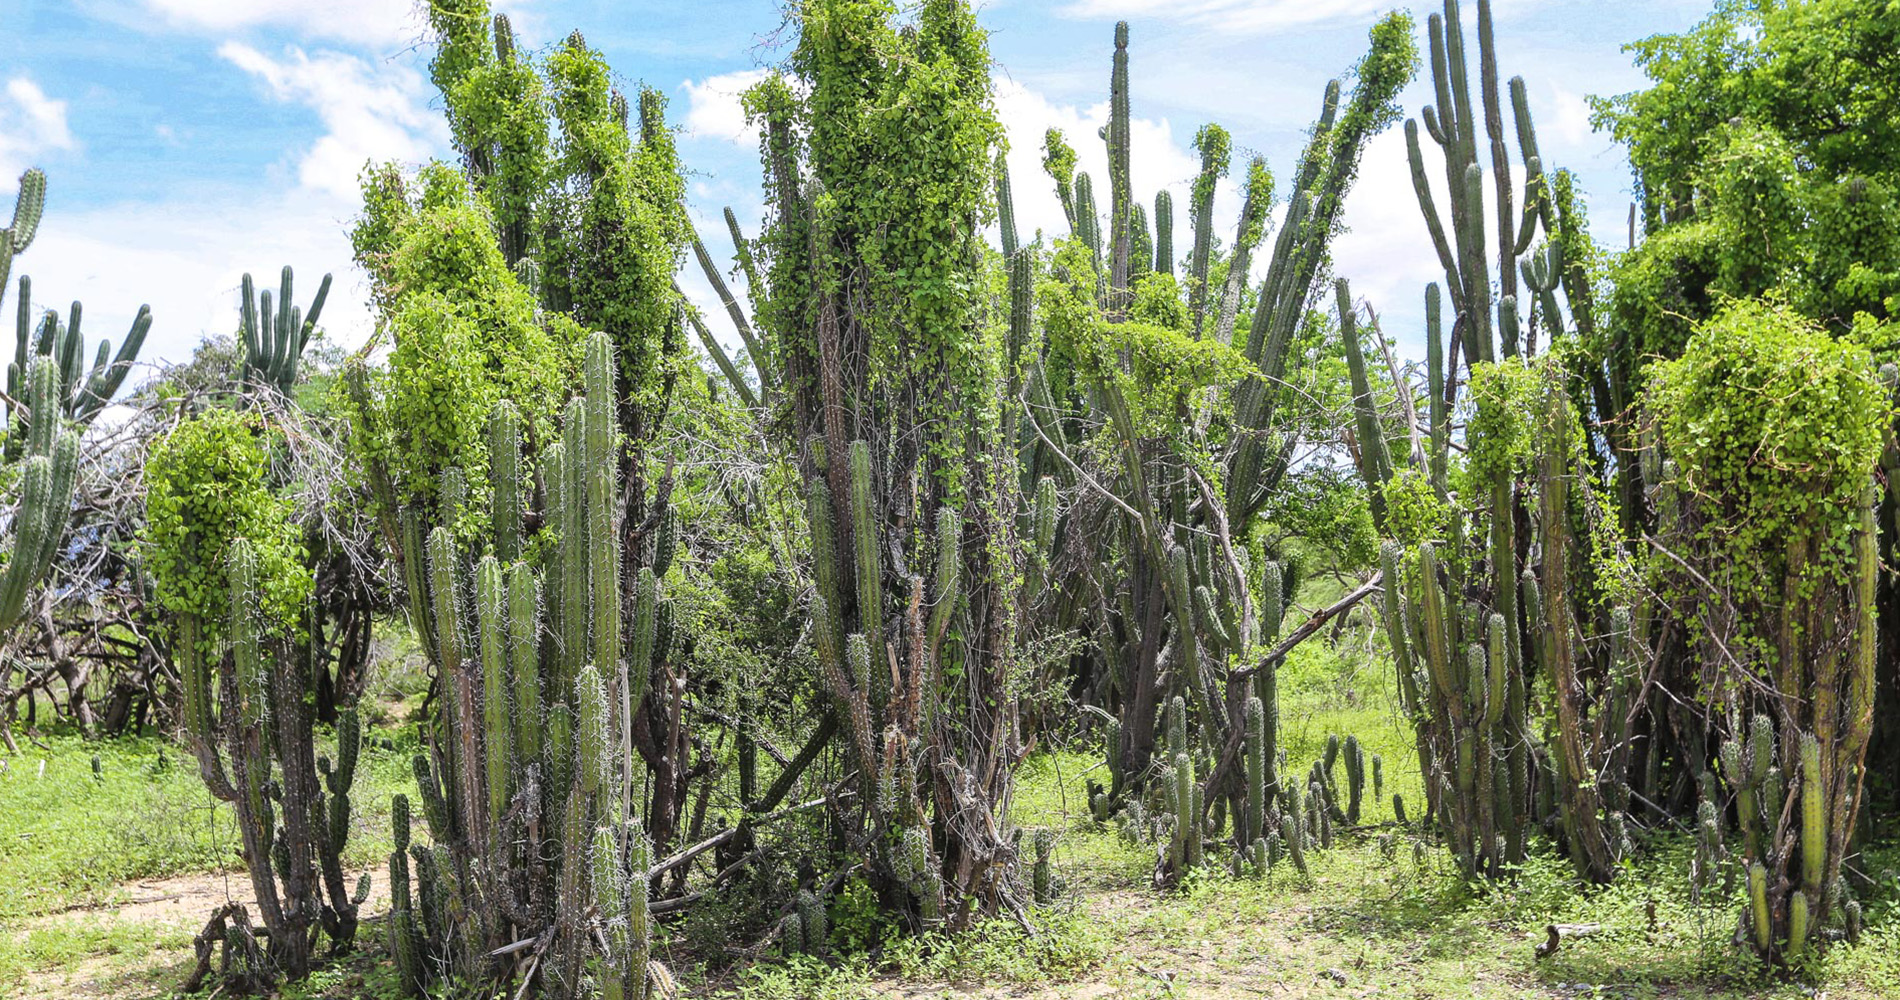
x: 187, y: 142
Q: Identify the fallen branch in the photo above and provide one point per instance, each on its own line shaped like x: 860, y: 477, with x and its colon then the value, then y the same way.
x: 1271, y: 661
x: 724, y: 836
x: 1558, y: 933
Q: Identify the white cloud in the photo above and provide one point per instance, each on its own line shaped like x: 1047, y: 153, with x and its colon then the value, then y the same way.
x: 31, y: 123
x: 1386, y: 252
x: 370, y: 113
x: 713, y: 110
x: 184, y: 257
x: 374, y: 22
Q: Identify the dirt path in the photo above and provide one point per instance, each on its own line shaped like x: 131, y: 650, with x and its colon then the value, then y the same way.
x: 145, y: 931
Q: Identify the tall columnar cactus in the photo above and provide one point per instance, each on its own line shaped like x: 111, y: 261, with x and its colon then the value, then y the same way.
x: 46, y: 490
x: 276, y: 333
x: 1164, y: 232
x: 82, y: 392
x: 1249, y: 230
x: 1374, y: 460
x: 1215, y: 146
x: 527, y: 787
x: 28, y: 204
x: 1257, y: 787
x: 1121, y: 197
x: 1088, y: 223
x: 253, y: 738
x: 1451, y: 123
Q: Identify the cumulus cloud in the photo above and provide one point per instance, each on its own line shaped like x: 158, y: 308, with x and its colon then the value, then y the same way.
x: 713, y: 110
x: 31, y: 124
x: 369, y: 113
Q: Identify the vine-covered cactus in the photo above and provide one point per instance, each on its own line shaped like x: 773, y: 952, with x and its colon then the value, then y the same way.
x: 275, y: 333
x: 1215, y: 146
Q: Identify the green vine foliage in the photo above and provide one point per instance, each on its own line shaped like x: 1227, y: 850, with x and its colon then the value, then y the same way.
x: 1158, y: 365
x: 1776, y: 428
x: 467, y: 334
x: 1413, y: 511
x: 566, y: 216
x: 897, y: 131
x: 1500, y: 432
x: 206, y: 486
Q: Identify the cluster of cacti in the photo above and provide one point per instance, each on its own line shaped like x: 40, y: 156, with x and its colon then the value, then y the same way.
x: 1451, y: 123
x: 46, y: 490
x: 45, y: 393
x: 275, y: 334
x: 805, y: 930
x: 249, y: 723
x: 1183, y: 796
x: 1190, y: 609
x: 527, y: 790
x: 1467, y: 620
x: 1795, y: 888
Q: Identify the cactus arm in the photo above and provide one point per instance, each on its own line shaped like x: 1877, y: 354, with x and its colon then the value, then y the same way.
x: 720, y: 358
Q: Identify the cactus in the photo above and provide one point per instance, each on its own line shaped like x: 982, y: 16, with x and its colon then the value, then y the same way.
x: 260, y: 735
x: 1120, y: 196
x: 1043, y: 885
x: 526, y: 783
x: 812, y: 923
x: 1215, y: 146
x: 274, y: 342
x: 1375, y: 462
x: 1293, y: 831
x: 1256, y: 751
x: 1164, y: 232
x: 28, y: 205
x: 46, y: 491
x: 1088, y: 225
x: 1355, y: 778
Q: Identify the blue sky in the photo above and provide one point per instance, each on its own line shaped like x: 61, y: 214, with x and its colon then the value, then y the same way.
x: 188, y: 141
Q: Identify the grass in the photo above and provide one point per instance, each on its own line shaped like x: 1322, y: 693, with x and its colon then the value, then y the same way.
x: 1382, y: 914
x: 78, y: 818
